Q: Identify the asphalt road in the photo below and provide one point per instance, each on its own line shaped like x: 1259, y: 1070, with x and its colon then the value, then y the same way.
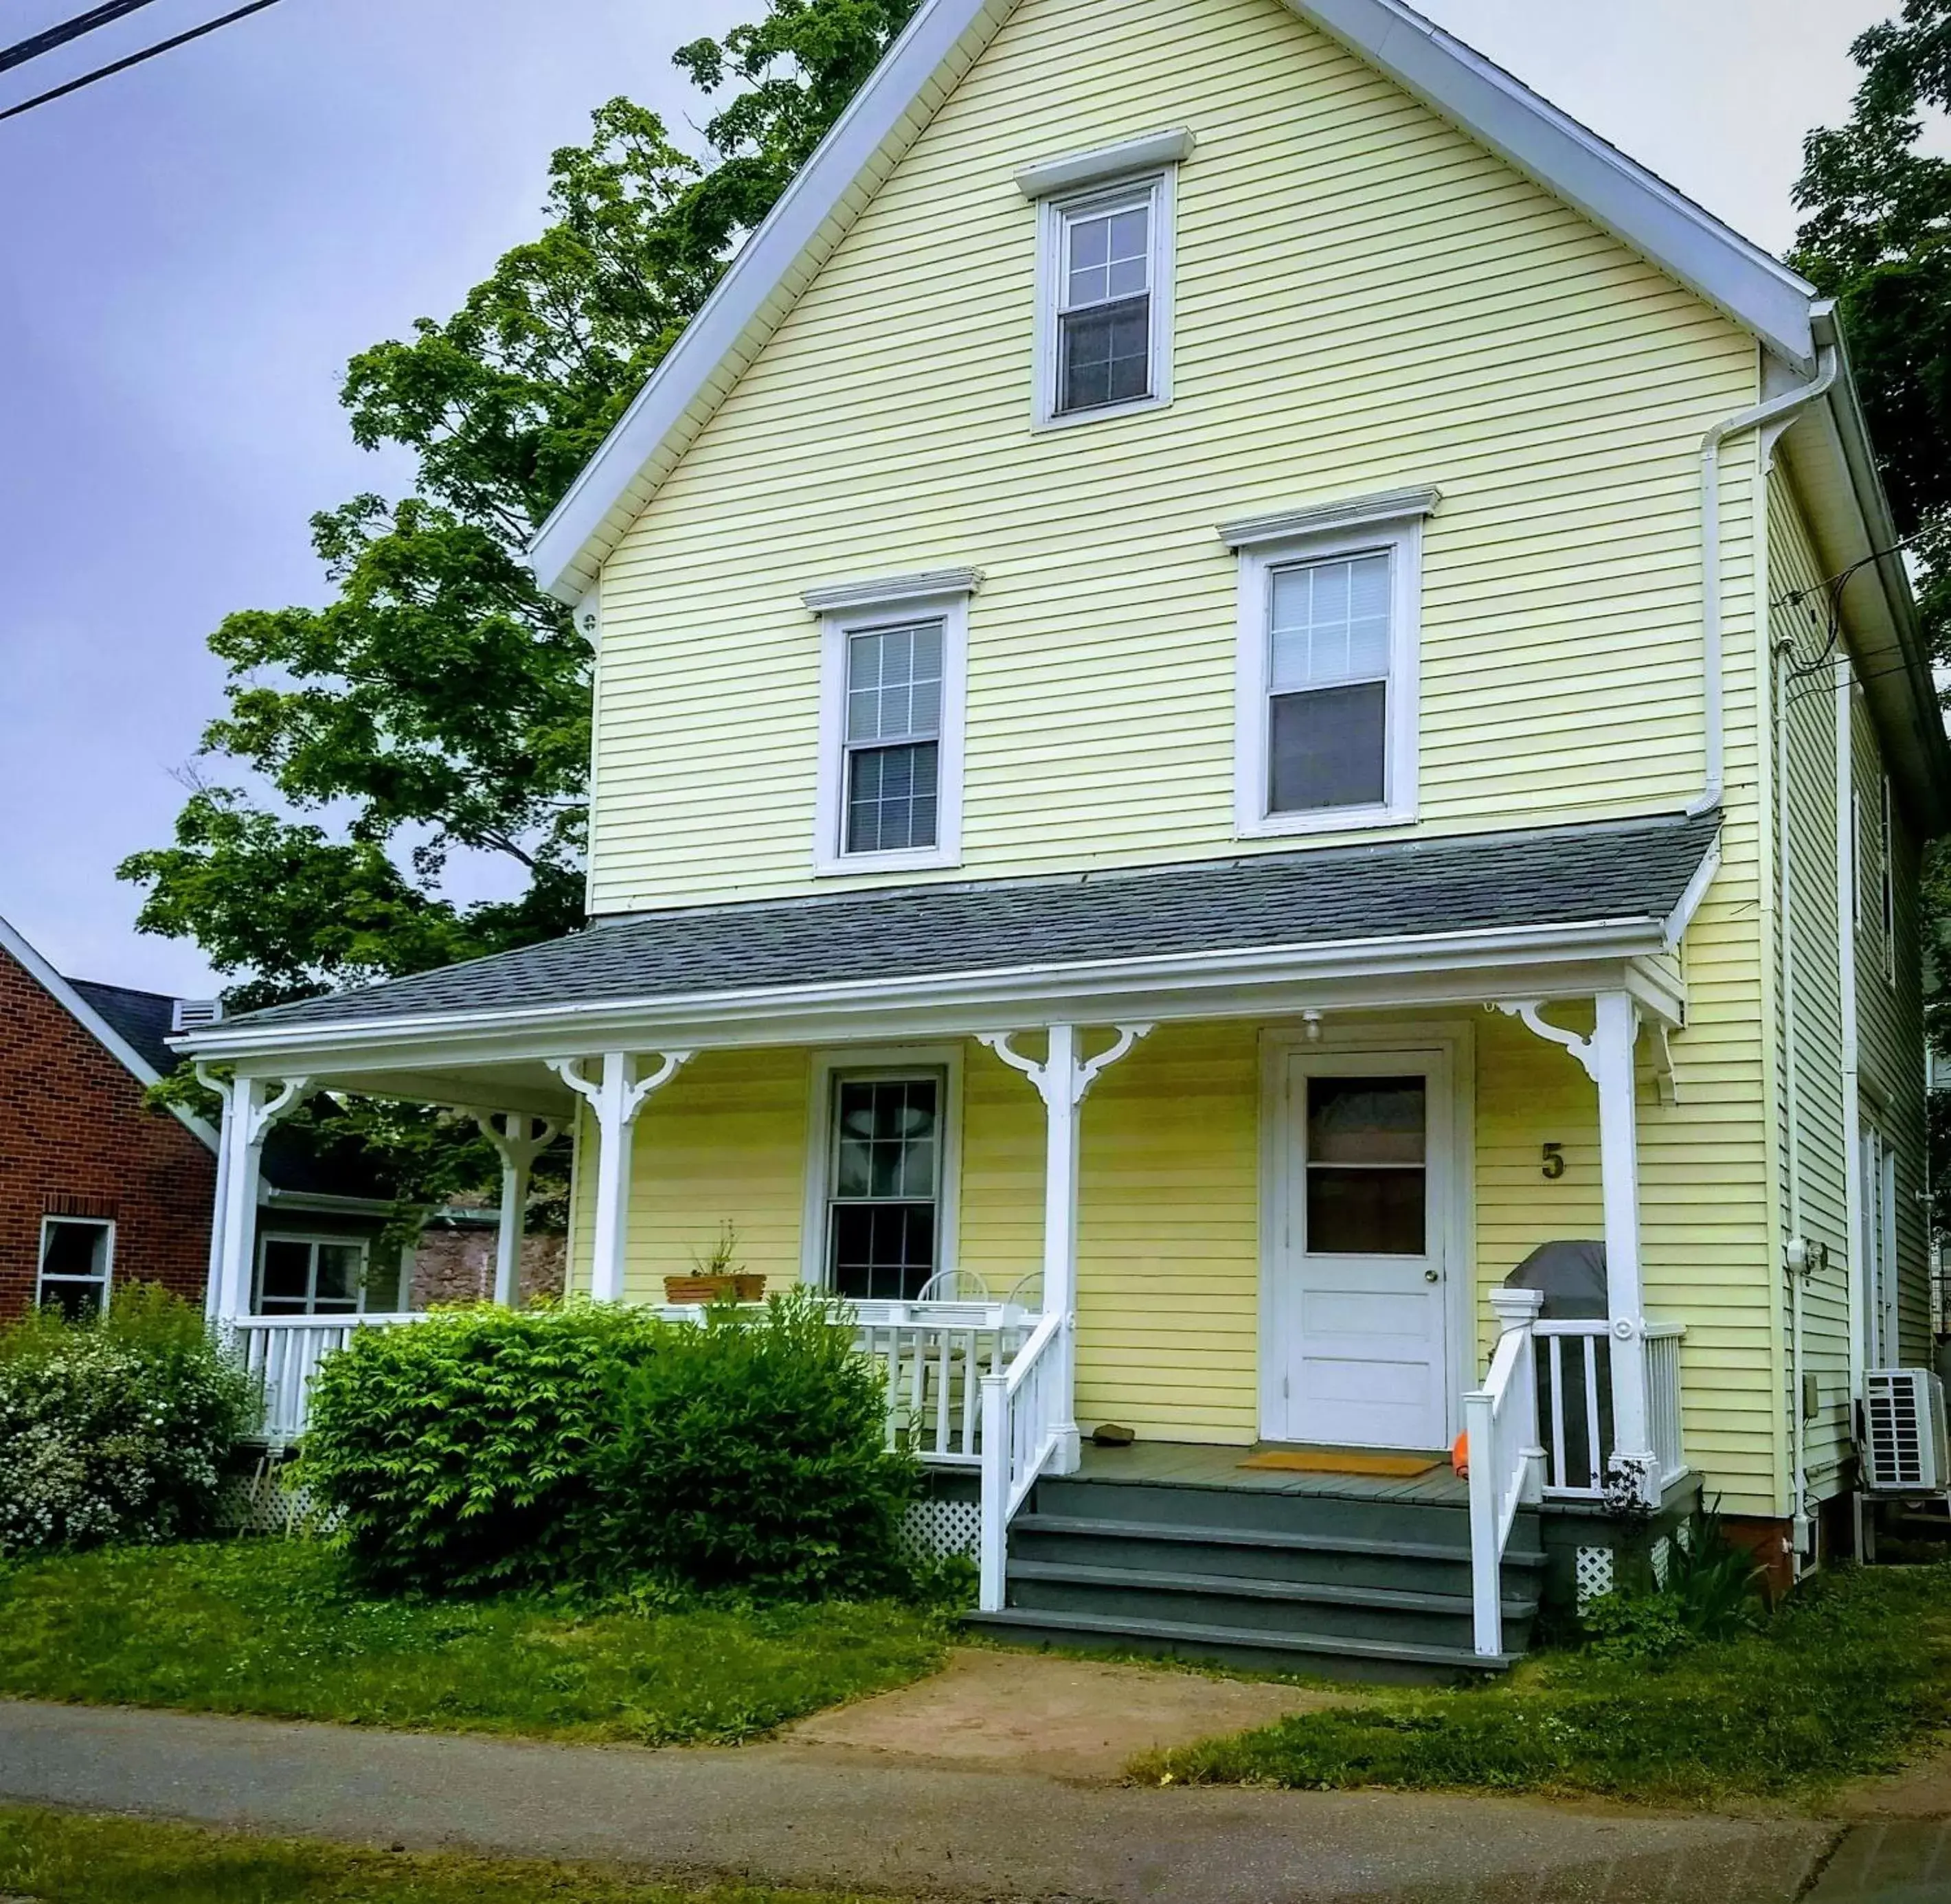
x: 823, y: 1817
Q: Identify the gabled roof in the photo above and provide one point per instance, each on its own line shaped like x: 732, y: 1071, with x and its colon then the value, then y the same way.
x: 941, y: 42
x: 1643, y: 873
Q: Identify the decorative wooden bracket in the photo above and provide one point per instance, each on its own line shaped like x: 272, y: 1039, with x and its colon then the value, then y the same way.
x: 1532, y: 1013
x: 592, y: 1091
x: 1082, y: 1075
x: 517, y: 1152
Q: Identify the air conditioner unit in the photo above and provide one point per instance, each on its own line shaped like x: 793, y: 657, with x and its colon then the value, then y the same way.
x: 1904, y: 1450
x: 193, y: 1014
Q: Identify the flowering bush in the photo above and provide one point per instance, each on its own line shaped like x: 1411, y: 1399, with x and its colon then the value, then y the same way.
x: 115, y: 1428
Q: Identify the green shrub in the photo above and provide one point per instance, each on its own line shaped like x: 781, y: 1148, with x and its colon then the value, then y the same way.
x: 119, y: 1427
x: 1712, y: 1591
x: 457, y: 1451
x: 750, y: 1454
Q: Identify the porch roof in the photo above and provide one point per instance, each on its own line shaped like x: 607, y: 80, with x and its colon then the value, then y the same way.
x: 1638, y: 872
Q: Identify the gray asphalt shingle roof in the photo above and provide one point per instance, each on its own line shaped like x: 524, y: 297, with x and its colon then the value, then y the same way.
x: 1555, y: 876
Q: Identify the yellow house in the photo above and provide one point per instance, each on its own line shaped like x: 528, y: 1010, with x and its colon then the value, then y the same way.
x: 1225, y: 702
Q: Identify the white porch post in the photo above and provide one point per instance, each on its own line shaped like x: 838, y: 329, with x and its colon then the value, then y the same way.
x: 1608, y: 1058
x: 519, y: 1140
x: 1063, y: 1081
x: 251, y: 1106
x: 616, y: 1098
x: 1614, y: 1037
x: 212, y: 1281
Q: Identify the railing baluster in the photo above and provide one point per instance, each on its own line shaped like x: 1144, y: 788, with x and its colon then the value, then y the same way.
x: 1554, y: 1347
x: 1596, y: 1450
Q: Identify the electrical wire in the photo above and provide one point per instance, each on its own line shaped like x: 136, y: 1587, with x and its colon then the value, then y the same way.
x: 35, y: 44
x: 135, y: 59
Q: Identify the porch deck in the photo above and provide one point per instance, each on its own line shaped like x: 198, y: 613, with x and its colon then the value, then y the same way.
x: 1182, y: 1464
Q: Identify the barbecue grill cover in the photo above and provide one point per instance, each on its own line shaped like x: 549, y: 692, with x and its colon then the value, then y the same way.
x: 1572, y: 1276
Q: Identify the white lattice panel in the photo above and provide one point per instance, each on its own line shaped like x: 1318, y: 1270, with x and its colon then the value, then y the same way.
x: 1593, y: 1572
x: 263, y: 1502
x: 939, y: 1528
x: 1663, y: 1560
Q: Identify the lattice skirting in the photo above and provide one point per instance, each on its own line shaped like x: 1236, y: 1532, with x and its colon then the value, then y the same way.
x: 939, y: 1529
x: 1593, y: 1573
x: 265, y: 1501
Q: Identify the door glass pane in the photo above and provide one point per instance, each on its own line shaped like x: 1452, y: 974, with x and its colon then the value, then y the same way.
x: 1328, y: 748
x: 1367, y: 1146
x: 287, y: 1271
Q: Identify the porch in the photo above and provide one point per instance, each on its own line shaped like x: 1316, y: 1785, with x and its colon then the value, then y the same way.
x: 1217, y: 1197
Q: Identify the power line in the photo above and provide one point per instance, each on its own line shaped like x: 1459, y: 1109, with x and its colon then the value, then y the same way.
x: 135, y: 59
x: 35, y: 44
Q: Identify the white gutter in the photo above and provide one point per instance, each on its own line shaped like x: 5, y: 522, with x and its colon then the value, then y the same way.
x: 1827, y: 364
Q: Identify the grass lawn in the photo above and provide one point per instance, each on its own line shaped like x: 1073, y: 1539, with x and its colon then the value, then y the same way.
x: 64, y: 1858
x: 1852, y: 1671
x: 273, y: 1627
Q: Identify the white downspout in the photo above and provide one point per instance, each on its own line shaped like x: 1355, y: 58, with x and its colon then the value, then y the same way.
x: 1794, y: 1257
x: 1851, y: 1105
x: 1711, y: 616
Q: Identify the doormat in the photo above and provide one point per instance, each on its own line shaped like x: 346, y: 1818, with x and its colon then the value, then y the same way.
x: 1328, y: 1461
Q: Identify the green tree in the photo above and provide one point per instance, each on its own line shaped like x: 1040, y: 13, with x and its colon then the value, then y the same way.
x: 1876, y: 237
x: 439, y: 701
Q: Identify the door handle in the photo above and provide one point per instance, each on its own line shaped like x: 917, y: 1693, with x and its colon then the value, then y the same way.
x: 1432, y: 1275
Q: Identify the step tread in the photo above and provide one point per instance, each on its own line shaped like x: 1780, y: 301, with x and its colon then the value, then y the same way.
x: 1245, y: 1587
x: 1404, y: 1651
x: 1194, y: 1534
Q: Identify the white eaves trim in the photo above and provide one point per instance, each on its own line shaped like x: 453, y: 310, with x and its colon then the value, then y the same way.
x: 844, y: 598
x: 97, y: 1027
x: 759, y: 287
x: 938, y: 45
x: 1122, y: 160
x: 1622, y: 197
x: 1195, y: 977
x: 1357, y: 512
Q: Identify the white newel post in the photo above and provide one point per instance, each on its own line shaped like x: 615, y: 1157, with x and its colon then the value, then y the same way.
x: 251, y: 1106
x: 1062, y: 1080
x: 519, y: 1140
x: 616, y: 1098
x: 1614, y: 1038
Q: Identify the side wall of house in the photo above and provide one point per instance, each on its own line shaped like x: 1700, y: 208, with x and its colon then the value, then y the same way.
x: 75, y: 1140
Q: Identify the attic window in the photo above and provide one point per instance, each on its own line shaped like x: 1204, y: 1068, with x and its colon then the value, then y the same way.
x: 1104, y: 278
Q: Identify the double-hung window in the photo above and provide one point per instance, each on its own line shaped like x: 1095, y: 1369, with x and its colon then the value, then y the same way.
x: 77, y: 1258
x: 1326, y: 715
x: 884, y: 1185
x: 891, y: 729
x: 1104, y: 277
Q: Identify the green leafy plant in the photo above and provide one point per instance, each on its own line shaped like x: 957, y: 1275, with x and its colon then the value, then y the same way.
x: 457, y: 1453
x: 750, y: 1454
x: 120, y: 1427
x: 1712, y: 1590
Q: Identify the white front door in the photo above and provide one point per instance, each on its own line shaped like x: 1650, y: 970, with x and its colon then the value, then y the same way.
x: 1358, y: 1309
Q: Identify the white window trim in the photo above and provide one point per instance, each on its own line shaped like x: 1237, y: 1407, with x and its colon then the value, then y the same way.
x: 362, y: 1244
x: 877, y: 610
x: 1402, y: 541
x: 1162, y: 182
x: 1886, y: 881
x: 107, y: 1277
x: 886, y: 1063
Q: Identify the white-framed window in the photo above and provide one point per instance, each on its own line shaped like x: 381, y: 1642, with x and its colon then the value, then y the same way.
x: 311, y: 1276
x: 1104, y: 289
x: 1326, y: 709
x: 77, y: 1260
x: 892, y: 671
x: 883, y: 1170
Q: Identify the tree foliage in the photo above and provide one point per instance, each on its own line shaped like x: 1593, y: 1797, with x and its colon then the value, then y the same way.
x: 439, y: 701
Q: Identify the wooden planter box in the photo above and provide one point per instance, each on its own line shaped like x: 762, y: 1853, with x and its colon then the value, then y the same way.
x: 743, y: 1287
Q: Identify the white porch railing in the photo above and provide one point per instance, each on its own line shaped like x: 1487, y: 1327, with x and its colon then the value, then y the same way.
x: 1023, y: 1411
x: 1505, y: 1462
x: 1575, y: 1402
x: 935, y: 1356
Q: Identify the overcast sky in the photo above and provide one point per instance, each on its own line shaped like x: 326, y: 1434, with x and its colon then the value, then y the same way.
x: 189, y: 253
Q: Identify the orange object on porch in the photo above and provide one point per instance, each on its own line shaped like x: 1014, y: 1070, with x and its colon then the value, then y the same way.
x: 1459, y: 1454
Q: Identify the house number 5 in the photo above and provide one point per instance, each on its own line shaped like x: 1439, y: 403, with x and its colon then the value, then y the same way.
x: 1554, y: 1160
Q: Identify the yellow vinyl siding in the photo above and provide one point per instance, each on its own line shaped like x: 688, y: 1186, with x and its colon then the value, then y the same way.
x: 1365, y: 299
x: 1814, y: 1025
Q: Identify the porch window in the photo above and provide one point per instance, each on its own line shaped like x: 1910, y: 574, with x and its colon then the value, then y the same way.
x: 77, y: 1257
x: 311, y: 1276
x: 885, y: 1185
x: 1327, y: 691
x: 1367, y: 1163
